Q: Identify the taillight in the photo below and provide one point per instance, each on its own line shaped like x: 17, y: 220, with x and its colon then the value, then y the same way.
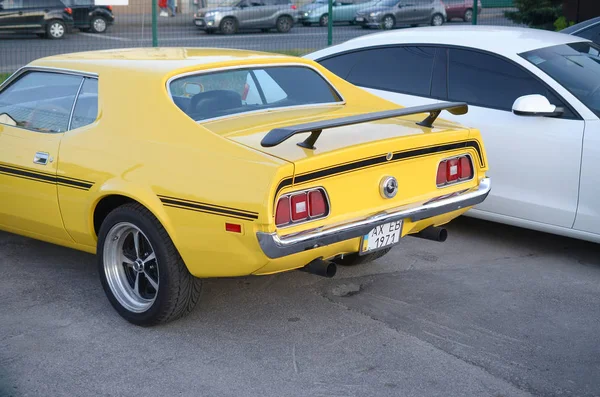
x: 294, y: 7
x: 454, y: 170
x: 301, y: 206
x: 68, y: 10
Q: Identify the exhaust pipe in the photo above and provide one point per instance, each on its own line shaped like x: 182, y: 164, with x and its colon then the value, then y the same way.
x: 320, y: 268
x: 433, y: 233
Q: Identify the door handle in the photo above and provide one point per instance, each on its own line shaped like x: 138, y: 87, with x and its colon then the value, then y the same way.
x: 42, y: 158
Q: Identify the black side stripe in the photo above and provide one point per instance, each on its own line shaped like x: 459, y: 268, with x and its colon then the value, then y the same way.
x: 378, y: 160
x: 208, y: 208
x: 45, y: 178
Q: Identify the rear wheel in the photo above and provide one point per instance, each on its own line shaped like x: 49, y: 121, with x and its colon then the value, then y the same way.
x: 284, y: 24
x: 355, y: 259
x: 98, y: 25
x: 468, y: 17
x: 324, y: 20
x: 437, y: 20
x: 55, y: 29
x: 388, y: 22
x: 141, y: 271
x: 229, y: 26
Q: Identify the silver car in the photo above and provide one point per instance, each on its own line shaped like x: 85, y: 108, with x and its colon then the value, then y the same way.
x: 388, y: 13
x: 231, y: 16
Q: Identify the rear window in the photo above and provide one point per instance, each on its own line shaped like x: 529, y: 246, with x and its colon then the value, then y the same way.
x: 209, y: 95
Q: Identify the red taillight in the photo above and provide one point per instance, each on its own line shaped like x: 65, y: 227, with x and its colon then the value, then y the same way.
x: 316, y: 203
x: 299, y: 207
x: 294, y: 7
x: 109, y: 8
x: 282, y: 214
x: 453, y: 170
x: 68, y: 10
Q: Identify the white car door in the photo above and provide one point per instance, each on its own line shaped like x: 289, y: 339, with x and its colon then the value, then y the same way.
x: 534, y: 161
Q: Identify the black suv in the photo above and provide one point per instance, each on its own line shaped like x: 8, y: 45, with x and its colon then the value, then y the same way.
x: 90, y: 17
x: 49, y: 18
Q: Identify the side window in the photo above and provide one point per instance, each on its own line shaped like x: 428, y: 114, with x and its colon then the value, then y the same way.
x: 40, y: 101
x: 86, y: 108
x: 401, y: 69
x: 10, y: 4
x: 341, y: 65
x: 488, y: 81
x: 592, y: 33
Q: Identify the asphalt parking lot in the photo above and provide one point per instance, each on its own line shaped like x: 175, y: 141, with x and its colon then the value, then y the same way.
x: 494, y: 311
x: 136, y: 31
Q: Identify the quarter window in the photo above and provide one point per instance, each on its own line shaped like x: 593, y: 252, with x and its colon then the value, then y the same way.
x: 488, y: 81
x: 86, y: 108
x: 40, y: 101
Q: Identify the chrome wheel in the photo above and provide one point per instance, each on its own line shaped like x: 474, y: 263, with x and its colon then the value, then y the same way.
x: 228, y: 26
x: 99, y: 25
x: 131, y: 267
x: 437, y: 20
x: 57, y: 30
x: 284, y: 24
x: 468, y: 15
x: 388, y: 22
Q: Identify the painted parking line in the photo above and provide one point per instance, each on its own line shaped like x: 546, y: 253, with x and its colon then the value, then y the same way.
x: 104, y: 36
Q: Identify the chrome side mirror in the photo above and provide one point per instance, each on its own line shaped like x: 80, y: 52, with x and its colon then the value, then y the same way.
x: 535, y: 105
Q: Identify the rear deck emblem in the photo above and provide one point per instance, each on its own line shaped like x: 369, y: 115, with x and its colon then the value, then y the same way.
x: 388, y: 187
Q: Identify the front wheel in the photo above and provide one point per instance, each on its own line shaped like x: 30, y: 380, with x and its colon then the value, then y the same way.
x: 141, y: 271
x: 56, y: 29
x: 98, y: 25
x: 468, y: 17
x: 437, y: 20
x: 284, y: 24
x: 324, y: 20
x: 229, y: 26
x: 388, y: 22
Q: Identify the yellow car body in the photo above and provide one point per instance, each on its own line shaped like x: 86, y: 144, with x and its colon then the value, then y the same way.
x: 196, y: 177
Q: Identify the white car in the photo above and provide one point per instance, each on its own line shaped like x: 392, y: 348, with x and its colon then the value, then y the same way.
x: 535, y: 96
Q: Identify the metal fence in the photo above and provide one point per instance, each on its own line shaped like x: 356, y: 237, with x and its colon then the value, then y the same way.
x: 289, y: 26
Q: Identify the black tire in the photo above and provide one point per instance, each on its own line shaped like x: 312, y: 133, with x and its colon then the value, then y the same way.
x: 98, y: 25
x: 55, y: 29
x: 284, y: 24
x: 435, y: 18
x: 468, y: 17
x: 355, y: 259
x: 307, y: 24
x: 388, y: 22
x: 229, y: 26
x: 178, y: 291
x: 324, y: 20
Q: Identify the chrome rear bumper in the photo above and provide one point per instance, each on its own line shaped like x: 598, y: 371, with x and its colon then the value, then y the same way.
x: 276, y: 246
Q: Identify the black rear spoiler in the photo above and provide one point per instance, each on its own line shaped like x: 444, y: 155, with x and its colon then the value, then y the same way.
x: 278, y: 135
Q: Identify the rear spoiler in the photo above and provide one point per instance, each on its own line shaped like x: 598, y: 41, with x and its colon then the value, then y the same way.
x: 279, y: 135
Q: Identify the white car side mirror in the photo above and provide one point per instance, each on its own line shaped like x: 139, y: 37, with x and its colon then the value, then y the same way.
x: 535, y: 105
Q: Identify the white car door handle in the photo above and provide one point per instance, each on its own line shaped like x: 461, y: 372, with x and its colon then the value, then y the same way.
x: 42, y: 158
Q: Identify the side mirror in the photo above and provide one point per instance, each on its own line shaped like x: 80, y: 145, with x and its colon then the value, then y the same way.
x: 535, y: 105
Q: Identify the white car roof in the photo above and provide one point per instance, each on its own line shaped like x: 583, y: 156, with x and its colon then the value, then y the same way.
x: 507, y: 41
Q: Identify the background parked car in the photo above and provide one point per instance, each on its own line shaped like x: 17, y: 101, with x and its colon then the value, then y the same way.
x: 534, y: 94
x: 46, y: 18
x: 589, y: 29
x: 389, y: 13
x: 462, y: 9
x: 231, y: 16
x: 90, y: 17
x: 343, y: 11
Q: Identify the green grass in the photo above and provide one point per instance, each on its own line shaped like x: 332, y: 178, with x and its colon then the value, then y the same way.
x: 295, y: 52
x: 4, y: 76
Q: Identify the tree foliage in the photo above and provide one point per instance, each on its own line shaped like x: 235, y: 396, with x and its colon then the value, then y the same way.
x: 539, y: 14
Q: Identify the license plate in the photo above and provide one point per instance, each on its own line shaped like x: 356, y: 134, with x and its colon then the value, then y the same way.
x: 359, y: 19
x: 199, y: 23
x: 381, y: 237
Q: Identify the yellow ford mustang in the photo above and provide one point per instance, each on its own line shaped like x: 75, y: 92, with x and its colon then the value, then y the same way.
x: 177, y: 164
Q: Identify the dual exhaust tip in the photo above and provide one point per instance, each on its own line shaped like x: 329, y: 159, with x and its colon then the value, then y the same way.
x: 325, y: 268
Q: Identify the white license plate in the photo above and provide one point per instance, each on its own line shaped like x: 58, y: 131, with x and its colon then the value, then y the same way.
x: 199, y: 23
x: 381, y: 237
x: 359, y: 19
